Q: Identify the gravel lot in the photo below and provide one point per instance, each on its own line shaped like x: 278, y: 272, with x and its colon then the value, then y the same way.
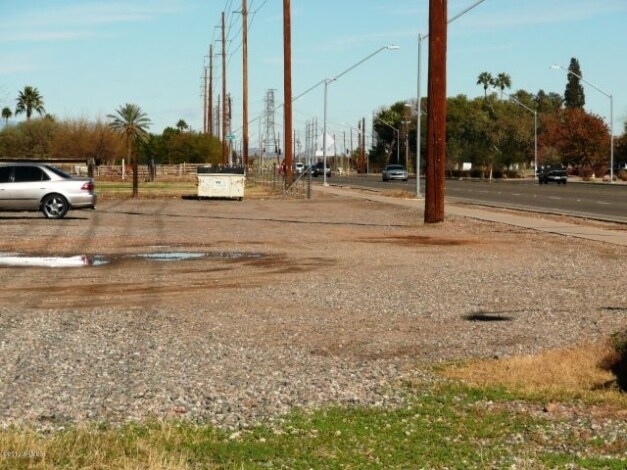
x: 294, y: 303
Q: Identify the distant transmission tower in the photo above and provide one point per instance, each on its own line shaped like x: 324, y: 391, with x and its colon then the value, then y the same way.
x: 270, y: 145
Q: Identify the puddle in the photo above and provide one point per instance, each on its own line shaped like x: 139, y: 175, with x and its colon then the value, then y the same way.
x: 17, y: 260
x: 182, y: 256
x: 13, y: 259
x: 170, y: 256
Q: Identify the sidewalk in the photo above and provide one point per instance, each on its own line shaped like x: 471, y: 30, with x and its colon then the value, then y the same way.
x: 585, y: 230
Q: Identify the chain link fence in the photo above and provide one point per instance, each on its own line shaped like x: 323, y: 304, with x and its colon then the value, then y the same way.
x: 276, y: 181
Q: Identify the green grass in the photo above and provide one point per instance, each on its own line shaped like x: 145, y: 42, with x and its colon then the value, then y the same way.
x: 450, y: 426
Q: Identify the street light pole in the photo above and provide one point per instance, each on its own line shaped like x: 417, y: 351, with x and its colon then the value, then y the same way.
x: 326, y: 84
x: 557, y: 66
x: 535, y: 129
x: 421, y: 37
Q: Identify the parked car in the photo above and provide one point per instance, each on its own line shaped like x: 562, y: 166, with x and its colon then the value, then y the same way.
x: 552, y: 173
x: 318, y: 169
x: 299, y: 167
x: 26, y: 186
x: 394, y: 172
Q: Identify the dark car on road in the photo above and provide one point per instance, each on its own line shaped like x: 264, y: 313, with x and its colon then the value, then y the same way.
x: 318, y: 169
x: 555, y: 174
x: 27, y: 186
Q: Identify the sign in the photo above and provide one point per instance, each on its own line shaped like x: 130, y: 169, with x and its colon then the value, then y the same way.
x: 230, y: 137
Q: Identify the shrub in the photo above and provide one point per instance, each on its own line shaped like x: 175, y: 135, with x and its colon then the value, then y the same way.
x: 616, y: 361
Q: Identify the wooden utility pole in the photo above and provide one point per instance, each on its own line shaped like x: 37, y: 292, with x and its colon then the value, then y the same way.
x: 210, y: 98
x: 224, y: 96
x: 436, y: 113
x: 287, y: 88
x: 205, y: 109
x: 245, y: 83
x: 362, y: 139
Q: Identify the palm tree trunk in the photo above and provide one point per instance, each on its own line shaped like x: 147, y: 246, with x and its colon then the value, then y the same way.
x: 129, y: 152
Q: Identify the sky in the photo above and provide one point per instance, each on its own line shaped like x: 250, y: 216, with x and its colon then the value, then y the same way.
x: 87, y: 58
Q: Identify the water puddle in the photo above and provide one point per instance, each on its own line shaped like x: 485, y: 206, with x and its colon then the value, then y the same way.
x: 170, y: 256
x: 78, y: 261
x: 16, y: 260
x: 182, y: 256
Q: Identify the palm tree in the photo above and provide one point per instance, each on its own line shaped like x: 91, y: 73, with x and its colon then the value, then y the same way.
x: 182, y: 125
x: 503, y: 81
x: 6, y: 114
x: 132, y: 123
x: 485, y: 79
x: 30, y: 100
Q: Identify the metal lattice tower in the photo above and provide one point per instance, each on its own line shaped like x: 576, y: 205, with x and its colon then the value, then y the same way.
x: 271, y: 144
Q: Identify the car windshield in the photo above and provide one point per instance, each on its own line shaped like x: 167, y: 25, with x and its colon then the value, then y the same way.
x: 395, y: 167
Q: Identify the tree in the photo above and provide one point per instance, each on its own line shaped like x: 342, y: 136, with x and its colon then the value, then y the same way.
x: 132, y: 123
x: 573, y: 136
x: 30, y: 100
x: 548, y: 103
x: 485, y: 79
x: 621, y: 148
x: 502, y: 81
x: 182, y: 125
x: 386, y: 126
x: 6, y: 114
x: 574, y: 96
x: 29, y: 139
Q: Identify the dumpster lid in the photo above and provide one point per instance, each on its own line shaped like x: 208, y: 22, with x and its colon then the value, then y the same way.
x: 221, y: 169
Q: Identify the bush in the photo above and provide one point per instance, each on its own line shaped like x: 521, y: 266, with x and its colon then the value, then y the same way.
x: 616, y: 362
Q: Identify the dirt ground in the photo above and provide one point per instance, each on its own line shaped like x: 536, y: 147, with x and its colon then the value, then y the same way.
x: 336, y: 276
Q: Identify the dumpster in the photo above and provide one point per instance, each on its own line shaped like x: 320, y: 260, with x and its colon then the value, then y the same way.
x: 225, y: 182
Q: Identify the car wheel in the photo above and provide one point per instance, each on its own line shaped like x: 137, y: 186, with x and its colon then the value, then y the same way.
x: 54, y: 206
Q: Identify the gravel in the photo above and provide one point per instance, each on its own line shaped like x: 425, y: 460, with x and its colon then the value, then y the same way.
x: 297, y: 304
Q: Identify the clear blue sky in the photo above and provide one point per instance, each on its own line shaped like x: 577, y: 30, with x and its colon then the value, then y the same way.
x: 89, y: 57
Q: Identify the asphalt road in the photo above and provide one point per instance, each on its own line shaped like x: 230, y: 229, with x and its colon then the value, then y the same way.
x: 597, y: 201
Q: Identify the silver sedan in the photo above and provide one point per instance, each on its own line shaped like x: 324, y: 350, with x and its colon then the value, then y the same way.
x: 26, y: 186
x: 394, y: 172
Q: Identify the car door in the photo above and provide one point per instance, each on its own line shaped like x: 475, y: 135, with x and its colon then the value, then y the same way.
x: 6, y: 178
x: 29, y: 186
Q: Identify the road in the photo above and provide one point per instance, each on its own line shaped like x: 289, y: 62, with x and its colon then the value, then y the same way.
x: 596, y: 201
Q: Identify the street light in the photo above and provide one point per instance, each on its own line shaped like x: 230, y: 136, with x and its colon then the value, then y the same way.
x: 418, y: 110
x: 555, y: 67
x: 535, y: 130
x: 398, y: 138
x: 326, y: 85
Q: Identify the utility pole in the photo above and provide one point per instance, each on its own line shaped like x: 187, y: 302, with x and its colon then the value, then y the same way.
x: 224, y: 96
x: 228, y: 127
x: 210, y: 98
x: 287, y: 88
x: 245, y: 83
x: 363, y: 144
x: 205, y: 109
x: 436, y: 113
